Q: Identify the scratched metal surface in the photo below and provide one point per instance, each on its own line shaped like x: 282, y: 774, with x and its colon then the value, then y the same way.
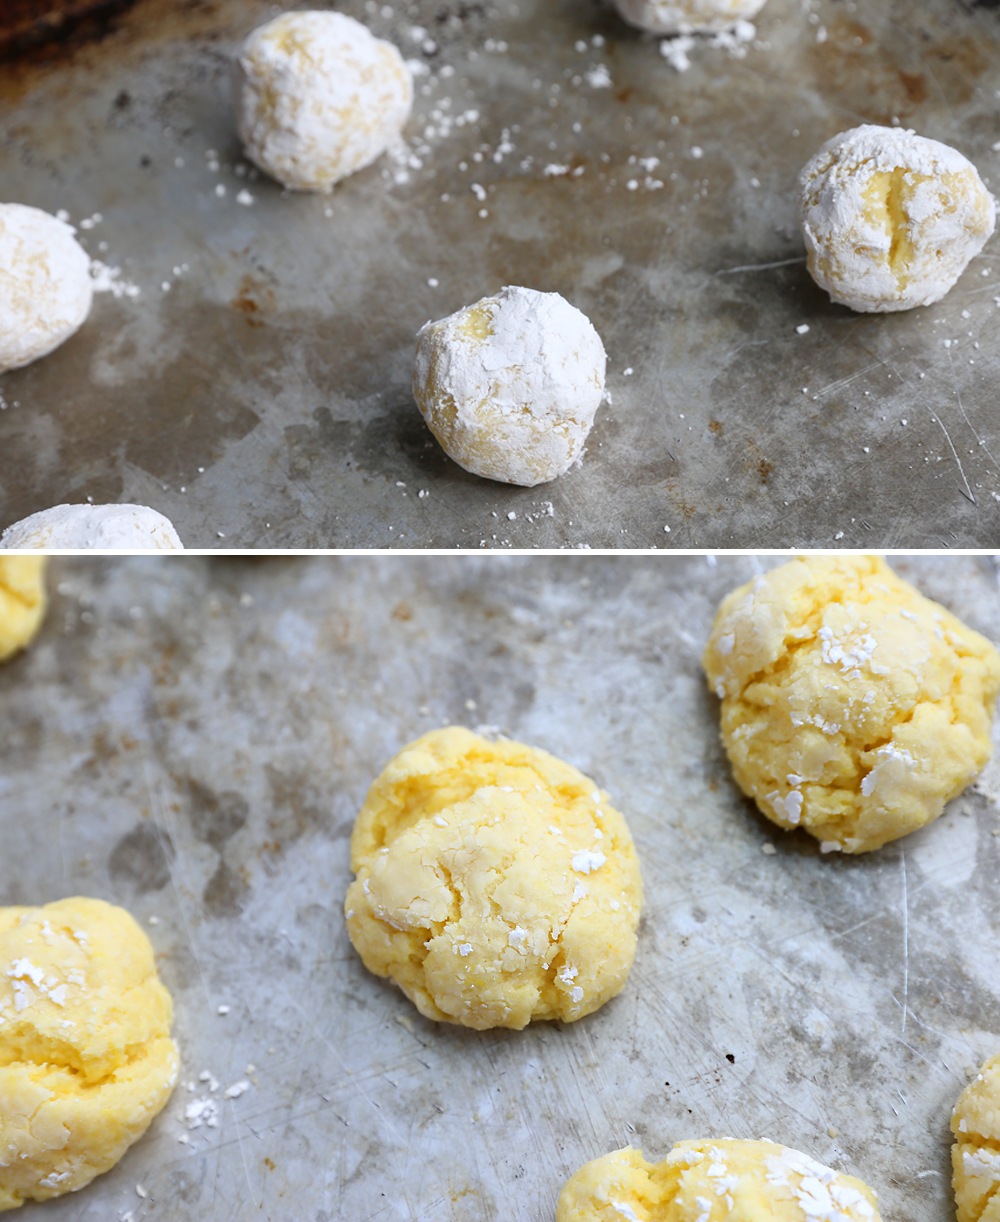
x: 263, y: 400
x: 192, y: 738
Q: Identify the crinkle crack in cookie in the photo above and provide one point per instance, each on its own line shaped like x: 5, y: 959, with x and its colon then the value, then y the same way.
x: 975, y: 1156
x: 852, y: 706
x: 681, y: 16
x: 86, y: 1059
x: 22, y: 601
x: 495, y: 884
x: 714, y: 1181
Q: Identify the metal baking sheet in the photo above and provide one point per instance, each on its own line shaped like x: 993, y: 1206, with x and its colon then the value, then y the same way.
x: 193, y: 737
x: 256, y: 390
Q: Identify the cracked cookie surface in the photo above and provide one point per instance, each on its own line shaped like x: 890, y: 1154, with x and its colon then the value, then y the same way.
x: 22, y: 601
x: 86, y: 1059
x: 495, y: 884
x: 975, y: 1156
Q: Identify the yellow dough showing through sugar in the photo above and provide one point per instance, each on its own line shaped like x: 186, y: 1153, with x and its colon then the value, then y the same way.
x: 975, y: 1156
x: 495, y: 884
x: 714, y: 1181
x: 22, y: 601
x: 852, y: 706
x: 86, y: 1058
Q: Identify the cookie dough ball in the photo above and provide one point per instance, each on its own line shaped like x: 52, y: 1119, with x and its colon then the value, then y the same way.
x: 891, y: 219
x: 45, y: 286
x: 509, y: 386
x: 495, y: 884
x: 86, y: 527
x: 22, y: 601
x: 86, y: 1058
x: 714, y: 1181
x: 852, y: 706
x: 317, y: 97
x: 682, y: 16
x: 975, y: 1156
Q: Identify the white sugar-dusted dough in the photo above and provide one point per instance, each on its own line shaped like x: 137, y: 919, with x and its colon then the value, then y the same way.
x: 22, y: 601
x: 45, y: 285
x: 509, y: 386
x: 682, y: 16
x: 495, y: 884
x: 891, y: 219
x: 317, y: 97
x: 975, y: 1156
x: 852, y: 706
x: 715, y: 1181
x: 86, y: 527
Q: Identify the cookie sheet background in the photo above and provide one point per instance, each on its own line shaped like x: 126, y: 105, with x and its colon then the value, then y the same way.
x: 264, y: 399
x: 192, y: 738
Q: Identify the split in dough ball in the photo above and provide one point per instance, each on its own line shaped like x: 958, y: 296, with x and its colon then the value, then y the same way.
x: 86, y: 1058
x: 852, y: 706
x: 509, y: 386
x: 22, y: 601
x: 891, y: 219
x: 714, y: 1181
x: 317, y: 97
x: 975, y: 1156
x: 495, y: 884
x: 684, y: 16
x: 45, y: 285
x: 88, y: 527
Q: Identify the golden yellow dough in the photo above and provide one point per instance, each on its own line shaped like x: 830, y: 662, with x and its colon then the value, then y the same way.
x: 975, y: 1156
x: 22, y: 601
x: 714, y: 1181
x: 86, y: 1058
x: 852, y: 706
x: 495, y: 884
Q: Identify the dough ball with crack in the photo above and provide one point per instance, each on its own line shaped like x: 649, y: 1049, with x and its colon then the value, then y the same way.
x: 891, y: 219
x: 681, y: 16
x: 975, y: 1156
x: 45, y: 285
x: 495, y: 884
x: 852, y: 706
x: 510, y: 386
x: 86, y: 1058
x: 22, y: 601
x: 93, y: 527
x: 317, y: 97
x: 714, y: 1181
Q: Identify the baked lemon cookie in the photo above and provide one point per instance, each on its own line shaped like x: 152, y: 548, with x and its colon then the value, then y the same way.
x: 852, y: 706
x: 22, y: 601
x: 975, y: 1156
x: 709, y: 1181
x: 495, y: 883
x: 93, y: 527
x: 86, y: 1058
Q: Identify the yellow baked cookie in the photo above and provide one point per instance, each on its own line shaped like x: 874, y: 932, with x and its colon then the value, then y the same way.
x: 712, y: 1181
x: 975, y: 1156
x: 852, y: 706
x: 86, y: 1058
x: 495, y: 884
x: 22, y: 601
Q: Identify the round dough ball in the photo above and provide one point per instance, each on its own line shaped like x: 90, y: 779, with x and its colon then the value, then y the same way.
x: 86, y: 1058
x: 22, y: 601
x: 86, y: 527
x: 714, y: 1181
x: 45, y: 285
x: 495, y: 884
x: 852, y: 706
x: 317, y: 97
x: 509, y: 386
x: 683, y: 16
x: 891, y: 219
x: 975, y: 1156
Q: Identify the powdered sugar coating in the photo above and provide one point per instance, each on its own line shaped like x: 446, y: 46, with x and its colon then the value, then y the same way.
x: 45, y: 289
x: 683, y: 16
x: 891, y: 219
x: 509, y: 386
x: 317, y: 97
x: 86, y: 527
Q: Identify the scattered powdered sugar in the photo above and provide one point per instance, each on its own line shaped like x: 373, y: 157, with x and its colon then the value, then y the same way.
x: 106, y: 279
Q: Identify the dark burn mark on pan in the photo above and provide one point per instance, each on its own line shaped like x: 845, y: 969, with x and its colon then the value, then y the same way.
x: 42, y: 27
x: 142, y: 857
